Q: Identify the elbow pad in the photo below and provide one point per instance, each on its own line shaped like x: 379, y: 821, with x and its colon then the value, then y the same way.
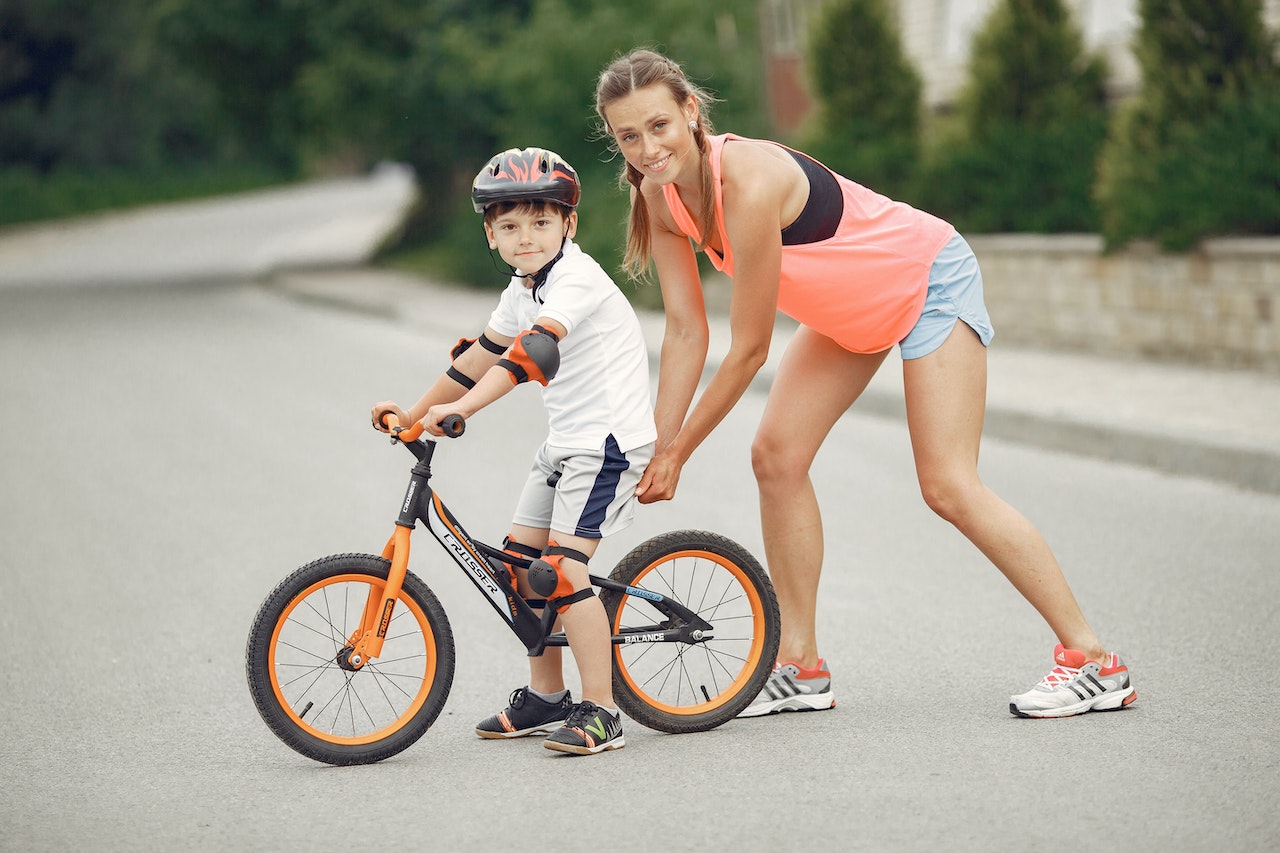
x: 535, y: 355
x: 462, y: 346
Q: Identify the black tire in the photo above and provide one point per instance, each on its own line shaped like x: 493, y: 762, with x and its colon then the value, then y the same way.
x: 332, y: 714
x: 678, y: 687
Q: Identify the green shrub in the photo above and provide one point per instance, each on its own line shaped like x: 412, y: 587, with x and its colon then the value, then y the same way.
x: 1031, y: 119
x: 1197, y: 153
x: 867, y: 124
x: 1019, y: 180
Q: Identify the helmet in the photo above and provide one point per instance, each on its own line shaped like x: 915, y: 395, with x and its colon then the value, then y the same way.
x: 531, y: 174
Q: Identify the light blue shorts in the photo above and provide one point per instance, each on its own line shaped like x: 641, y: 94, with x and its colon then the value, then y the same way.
x: 955, y: 293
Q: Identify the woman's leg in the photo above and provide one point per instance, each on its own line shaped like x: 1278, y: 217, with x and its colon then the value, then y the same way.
x: 946, y: 400
x: 816, y: 383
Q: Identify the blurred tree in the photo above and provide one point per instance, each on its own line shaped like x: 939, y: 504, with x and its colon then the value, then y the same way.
x: 318, y: 87
x: 548, y: 97
x: 249, y: 52
x: 83, y: 87
x: 1197, y: 152
x: 1031, y: 120
x: 867, y: 125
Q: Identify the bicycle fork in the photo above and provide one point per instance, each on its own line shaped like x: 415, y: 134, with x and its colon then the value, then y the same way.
x: 365, y: 643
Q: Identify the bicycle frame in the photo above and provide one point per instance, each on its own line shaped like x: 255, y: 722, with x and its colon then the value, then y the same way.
x: 486, y: 566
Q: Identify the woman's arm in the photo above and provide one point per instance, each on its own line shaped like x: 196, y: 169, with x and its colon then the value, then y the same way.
x: 757, y: 187
x: 685, y: 336
x: 755, y: 205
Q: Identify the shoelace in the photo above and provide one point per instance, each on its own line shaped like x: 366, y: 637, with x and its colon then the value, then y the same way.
x: 1058, y: 675
x: 580, y: 715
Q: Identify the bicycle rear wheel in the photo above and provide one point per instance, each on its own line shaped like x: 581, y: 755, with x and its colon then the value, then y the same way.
x: 337, y: 715
x: 691, y: 687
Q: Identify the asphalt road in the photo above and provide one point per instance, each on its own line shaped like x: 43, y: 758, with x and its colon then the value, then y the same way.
x: 168, y: 454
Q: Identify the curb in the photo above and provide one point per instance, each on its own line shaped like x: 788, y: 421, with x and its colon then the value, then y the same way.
x: 427, y: 305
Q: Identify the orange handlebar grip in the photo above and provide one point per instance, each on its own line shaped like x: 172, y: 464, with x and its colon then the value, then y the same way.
x: 411, y: 433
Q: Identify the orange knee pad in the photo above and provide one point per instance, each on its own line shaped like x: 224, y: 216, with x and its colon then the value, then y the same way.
x: 522, y: 552
x: 546, y: 578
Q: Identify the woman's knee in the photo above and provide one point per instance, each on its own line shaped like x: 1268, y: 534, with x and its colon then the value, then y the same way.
x: 951, y: 495
x: 773, y: 461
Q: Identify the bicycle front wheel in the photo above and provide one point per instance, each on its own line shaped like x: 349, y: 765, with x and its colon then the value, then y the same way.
x: 330, y: 713
x: 691, y: 687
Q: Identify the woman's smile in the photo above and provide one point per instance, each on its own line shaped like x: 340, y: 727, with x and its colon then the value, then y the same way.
x: 659, y: 165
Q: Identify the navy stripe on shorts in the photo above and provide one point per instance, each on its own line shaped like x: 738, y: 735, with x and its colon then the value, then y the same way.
x: 604, y: 490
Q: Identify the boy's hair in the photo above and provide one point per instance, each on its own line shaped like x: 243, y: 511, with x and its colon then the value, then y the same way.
x: 534, y: 206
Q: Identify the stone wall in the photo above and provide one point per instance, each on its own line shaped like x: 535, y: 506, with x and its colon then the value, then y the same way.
x: 1216, y: 306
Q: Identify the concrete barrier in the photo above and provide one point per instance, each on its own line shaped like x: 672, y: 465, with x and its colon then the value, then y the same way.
x: 1217, y: 306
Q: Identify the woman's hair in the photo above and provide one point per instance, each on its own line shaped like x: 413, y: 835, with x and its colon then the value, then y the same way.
x: 636, y: 70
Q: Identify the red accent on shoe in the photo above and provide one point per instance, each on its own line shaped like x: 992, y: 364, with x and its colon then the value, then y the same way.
x: 819, y: 671
x: 1068, y: 657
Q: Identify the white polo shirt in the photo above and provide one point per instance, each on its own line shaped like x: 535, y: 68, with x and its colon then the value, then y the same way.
x: 602, y: 386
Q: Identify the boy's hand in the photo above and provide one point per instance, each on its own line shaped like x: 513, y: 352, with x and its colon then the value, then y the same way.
x: 431, y: 421
x: 381, y: 410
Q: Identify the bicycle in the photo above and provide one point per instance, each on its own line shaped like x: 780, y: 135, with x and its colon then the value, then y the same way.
x: 351, y: 657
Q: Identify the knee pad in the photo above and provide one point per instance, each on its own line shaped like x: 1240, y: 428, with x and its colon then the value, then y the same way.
x: 547, y: 579
x: 520, y: 551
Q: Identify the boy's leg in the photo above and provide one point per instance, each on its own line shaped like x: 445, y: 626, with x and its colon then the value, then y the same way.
x: 595, y: 497
x: 544, y: 705
x: 595, y: 724
x: 585, y: 624
x: 546, y: 672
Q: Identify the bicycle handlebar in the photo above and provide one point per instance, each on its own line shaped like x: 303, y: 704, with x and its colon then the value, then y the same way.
x: 453, y: 426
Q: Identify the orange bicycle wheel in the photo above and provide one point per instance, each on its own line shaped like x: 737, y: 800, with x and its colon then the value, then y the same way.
x: 689, y: 687
x: 335, y: 714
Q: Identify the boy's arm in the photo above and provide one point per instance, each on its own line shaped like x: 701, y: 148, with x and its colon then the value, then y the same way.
x: 474, y: 361
x: 495, y: 383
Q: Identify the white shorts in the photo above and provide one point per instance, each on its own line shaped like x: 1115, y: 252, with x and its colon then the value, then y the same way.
x: 587, y: 493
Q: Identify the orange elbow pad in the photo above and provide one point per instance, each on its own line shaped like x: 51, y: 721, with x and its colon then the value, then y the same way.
x: 535, y: 355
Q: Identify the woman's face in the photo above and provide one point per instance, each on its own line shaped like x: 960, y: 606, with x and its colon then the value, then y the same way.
x: 652, y: 131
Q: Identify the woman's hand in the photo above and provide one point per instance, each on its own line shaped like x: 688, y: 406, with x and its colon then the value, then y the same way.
x: 381, y: 410
x: 660, y: 478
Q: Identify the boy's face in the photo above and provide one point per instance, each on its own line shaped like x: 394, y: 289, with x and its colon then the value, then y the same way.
x: 528, y: 238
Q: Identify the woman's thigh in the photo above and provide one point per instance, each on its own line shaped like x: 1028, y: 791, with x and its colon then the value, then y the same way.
x: 817, y: 381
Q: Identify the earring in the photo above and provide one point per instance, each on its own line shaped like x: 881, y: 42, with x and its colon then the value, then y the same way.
x: 693, y: 125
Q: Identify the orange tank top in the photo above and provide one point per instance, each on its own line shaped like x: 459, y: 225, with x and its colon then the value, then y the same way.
x: 864, y: 287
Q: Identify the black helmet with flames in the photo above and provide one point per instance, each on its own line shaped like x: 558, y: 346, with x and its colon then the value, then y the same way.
x: 529, y: 174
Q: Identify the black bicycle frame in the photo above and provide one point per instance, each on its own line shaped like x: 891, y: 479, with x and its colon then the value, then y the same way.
x: 492, y: 571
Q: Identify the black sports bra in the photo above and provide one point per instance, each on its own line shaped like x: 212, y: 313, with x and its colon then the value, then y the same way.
x: 822, y: 213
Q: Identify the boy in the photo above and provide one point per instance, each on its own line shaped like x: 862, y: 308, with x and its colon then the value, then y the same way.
x: 564, y: 324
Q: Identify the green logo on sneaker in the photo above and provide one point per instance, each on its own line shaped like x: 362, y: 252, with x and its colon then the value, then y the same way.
x: 597, y: 728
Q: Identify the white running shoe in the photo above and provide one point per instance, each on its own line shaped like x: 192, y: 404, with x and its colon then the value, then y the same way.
x: 1076, y: 685
x: 792, y: 688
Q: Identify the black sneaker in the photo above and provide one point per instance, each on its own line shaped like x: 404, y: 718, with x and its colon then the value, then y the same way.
x: 527, y: 714
x: 588, y: 730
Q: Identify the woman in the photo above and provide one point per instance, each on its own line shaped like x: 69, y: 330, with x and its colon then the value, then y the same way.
x: 860, y: 273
